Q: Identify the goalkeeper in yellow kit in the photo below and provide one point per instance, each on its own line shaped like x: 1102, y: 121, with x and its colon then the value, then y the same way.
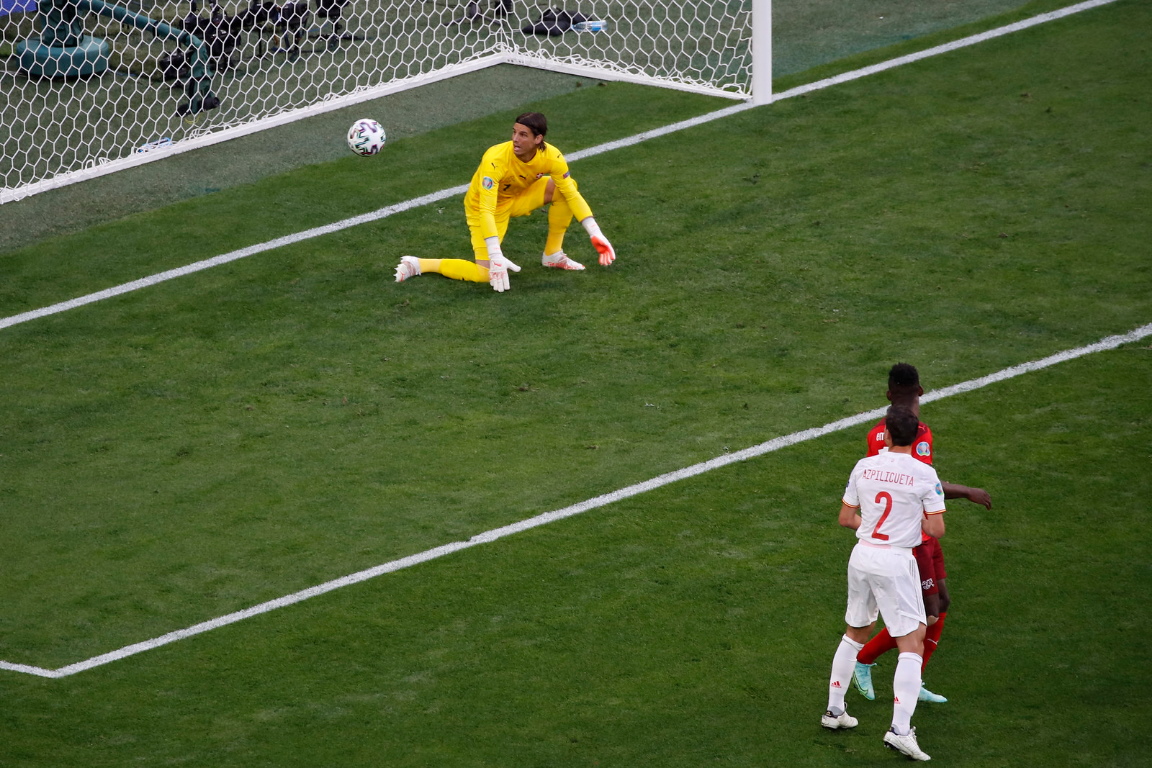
x: 514, y: 179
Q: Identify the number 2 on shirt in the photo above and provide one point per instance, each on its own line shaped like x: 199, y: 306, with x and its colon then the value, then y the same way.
x: 886, y: 498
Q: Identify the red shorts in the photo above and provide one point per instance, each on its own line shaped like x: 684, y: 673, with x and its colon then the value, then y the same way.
x: 930, y: 561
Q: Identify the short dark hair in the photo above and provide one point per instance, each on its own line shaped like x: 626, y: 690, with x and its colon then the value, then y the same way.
x: 901, y: 425
x: 904, y: 380
x: 535, y: 122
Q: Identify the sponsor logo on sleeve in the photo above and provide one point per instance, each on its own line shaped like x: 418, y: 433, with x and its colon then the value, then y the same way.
x: 487, y: 183
x: 923, y: 449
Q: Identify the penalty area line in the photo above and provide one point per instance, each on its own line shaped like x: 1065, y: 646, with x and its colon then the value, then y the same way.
x: 1108, y: 343
x: 226, y: 258
x: 610, y: 146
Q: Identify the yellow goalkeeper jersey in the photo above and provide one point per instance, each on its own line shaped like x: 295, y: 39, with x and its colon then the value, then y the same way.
x: 501, y: 177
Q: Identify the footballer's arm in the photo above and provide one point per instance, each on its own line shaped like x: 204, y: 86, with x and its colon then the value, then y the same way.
x: 974, y: 495
x: 933, y: 523
x: 566, y: 186
x: 850, y: 516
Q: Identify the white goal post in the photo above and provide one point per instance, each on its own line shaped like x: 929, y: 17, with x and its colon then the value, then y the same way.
x: 96, y: 86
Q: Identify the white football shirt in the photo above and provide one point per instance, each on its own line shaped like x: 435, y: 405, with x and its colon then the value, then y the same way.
x: 893, y: 491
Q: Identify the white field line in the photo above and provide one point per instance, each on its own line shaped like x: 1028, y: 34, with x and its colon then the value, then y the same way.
x: 610, y: 146
x: 216, y: 261
x: 772, y: 445
x: 1111, y: 342
x: 963, y: 42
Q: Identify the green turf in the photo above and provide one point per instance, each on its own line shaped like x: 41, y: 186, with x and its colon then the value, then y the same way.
x: 811, y: 33
x: 229, y: 437
x: 690, y: 626
x: 805, y: 34
x: 272, y: 152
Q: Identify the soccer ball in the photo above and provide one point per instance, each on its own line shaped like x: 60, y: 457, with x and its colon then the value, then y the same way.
x: 366, y: 137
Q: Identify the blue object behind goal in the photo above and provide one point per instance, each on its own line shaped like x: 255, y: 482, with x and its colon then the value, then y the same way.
x: 16, y: 6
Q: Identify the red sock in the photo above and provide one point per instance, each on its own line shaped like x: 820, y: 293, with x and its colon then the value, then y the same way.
x: 876, y: 647
x: 932, y: 638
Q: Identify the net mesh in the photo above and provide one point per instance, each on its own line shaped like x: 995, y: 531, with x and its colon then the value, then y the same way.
x: 159, y: 69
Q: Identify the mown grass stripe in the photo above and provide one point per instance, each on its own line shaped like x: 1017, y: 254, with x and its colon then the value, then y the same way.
x: 610, y: 146
x: 775, y: 444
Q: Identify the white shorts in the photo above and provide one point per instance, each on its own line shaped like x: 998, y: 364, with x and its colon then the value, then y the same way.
x: 884, y: 580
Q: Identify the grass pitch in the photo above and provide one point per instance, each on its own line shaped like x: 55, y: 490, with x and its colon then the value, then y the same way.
x: 197, y: 447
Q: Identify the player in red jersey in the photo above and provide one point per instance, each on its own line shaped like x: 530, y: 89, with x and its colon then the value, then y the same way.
x: 904, y: 389
x: 890, y: 500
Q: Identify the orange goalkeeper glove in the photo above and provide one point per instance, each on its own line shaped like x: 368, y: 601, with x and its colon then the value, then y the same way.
x: 599, y: 242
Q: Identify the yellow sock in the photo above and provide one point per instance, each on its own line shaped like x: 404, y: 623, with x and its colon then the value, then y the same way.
x: 559, y: 217
x: 457, y: 269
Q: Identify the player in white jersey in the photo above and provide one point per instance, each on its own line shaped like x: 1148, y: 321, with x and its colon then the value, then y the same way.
x: 890, y: 499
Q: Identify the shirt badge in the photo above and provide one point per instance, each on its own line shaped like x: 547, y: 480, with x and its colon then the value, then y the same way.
x: 939, y: 490
x: 923, y: 449
x: 487, y: 183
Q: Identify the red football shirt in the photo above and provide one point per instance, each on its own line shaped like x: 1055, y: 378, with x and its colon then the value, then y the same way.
x: 921, y: 446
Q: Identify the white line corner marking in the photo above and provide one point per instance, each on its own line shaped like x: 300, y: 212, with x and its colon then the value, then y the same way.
x: 1111, y: 342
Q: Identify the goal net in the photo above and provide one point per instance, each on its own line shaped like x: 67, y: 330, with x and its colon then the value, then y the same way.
x: 93, y: 86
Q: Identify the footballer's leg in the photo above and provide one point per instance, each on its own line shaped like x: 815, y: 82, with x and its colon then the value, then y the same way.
x: 543, y: 192
x: 559, y: 219
x: 835, y: 716
x: 860, y: 620
x: 936, y: 601
x: 932, y: 609
x: 906, y: 680
x: 862, y: 680
x: 456, y: 269
x: 932, y: 640
x: 945, y: 600
x: 866, y: 659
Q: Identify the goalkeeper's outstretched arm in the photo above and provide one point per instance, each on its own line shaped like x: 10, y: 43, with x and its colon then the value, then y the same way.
x: 599, y: 242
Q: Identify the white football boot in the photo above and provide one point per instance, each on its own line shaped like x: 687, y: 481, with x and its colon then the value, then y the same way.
x: 409, y: 266
x: 906, y: 745
x: 836, y: 722
x: 560, y: 260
